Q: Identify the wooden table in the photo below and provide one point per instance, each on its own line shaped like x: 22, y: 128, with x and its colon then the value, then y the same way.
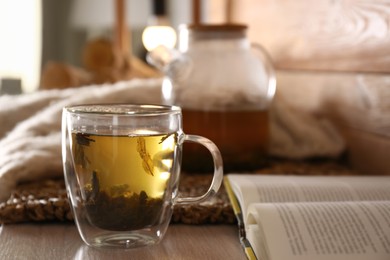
x: 62, y: 241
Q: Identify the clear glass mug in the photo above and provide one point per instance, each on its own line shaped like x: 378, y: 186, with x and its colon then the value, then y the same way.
x: 122, y: 166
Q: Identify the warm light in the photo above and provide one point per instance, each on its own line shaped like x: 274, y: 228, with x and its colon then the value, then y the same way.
x: 20, y: 33
x: 154, y: 36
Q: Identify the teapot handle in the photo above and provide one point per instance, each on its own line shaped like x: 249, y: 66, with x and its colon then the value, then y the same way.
x: 268, y: 64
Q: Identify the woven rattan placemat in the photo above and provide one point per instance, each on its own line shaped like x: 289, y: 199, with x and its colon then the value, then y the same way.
x: 46, y: 200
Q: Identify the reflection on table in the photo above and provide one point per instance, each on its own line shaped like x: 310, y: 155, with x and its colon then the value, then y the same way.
x: 62, y: 241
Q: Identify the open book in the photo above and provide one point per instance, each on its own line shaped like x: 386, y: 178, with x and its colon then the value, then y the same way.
x: 312, y: 217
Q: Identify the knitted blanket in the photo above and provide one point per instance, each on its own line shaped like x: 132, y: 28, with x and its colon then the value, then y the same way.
x: 30, y: 128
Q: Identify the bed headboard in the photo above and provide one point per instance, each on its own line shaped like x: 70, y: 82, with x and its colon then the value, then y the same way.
x: 336, y: 35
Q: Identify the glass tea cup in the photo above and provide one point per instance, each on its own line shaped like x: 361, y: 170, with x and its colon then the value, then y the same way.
x: 122, y: 166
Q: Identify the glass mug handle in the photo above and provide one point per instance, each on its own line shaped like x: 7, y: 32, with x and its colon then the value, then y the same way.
x: 218, y: 169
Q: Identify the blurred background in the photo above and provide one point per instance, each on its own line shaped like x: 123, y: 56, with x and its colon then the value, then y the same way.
x: 343, y: 36
x: 45, y: 30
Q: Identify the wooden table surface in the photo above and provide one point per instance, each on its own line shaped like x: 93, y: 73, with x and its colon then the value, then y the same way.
x: 62, y: 241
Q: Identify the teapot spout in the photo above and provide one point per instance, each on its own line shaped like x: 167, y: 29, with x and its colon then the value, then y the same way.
x: 161, y: 56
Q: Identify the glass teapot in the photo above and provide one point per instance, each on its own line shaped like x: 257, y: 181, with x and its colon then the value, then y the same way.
x: 224, y: 85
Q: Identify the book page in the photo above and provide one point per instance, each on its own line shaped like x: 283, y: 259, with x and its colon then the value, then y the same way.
x: 276, y: 188
x: 322, y: 230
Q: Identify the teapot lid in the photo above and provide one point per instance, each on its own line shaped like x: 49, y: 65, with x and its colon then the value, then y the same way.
x: 216, y: 27
x: 213, y: 31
